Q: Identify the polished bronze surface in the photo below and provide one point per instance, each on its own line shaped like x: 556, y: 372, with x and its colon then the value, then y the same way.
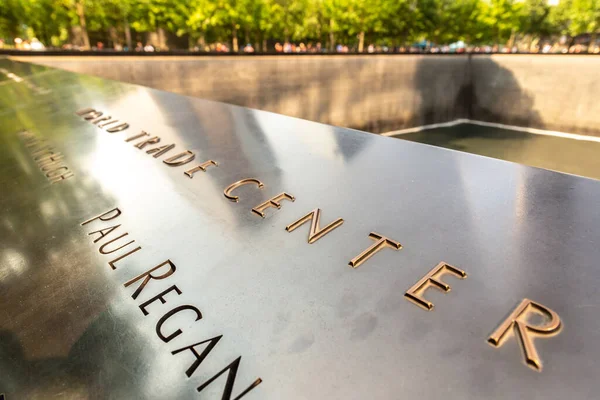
x: 128, y: 280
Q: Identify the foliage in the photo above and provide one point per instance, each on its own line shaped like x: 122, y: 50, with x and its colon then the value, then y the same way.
x: 351, y: 22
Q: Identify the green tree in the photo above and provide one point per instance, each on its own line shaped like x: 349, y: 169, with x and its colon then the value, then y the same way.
x: 585, y: 18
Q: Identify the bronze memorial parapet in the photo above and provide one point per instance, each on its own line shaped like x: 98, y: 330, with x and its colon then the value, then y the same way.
x: 156, y: 246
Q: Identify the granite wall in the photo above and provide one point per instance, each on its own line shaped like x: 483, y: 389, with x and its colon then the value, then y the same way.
x: 376, y: 93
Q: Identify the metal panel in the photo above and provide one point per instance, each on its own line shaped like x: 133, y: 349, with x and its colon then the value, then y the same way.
x: 302, y: 320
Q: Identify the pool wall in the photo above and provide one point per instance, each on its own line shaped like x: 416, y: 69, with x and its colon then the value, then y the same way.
x: 377, y: 93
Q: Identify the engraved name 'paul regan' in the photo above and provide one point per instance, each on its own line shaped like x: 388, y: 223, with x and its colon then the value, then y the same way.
x: 517, y: 325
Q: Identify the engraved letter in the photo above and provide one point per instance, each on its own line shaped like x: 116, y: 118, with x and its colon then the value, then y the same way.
x: 180, y: 159
x: 525, y: 331
x: 146, y: 142
x: 61, y: 177
x: 229, y: 189
x: 105, y: 118
x: 104, y: 217
x: 102, y: 232
x: 158, y: 297
x: 160, y: 150
x: 199, y: 357
x: 112, y: 262
x: 315, y: 233
x: 129, y: 139
x: 101, y: 250
x: 233, y: 367
x: 148, y: 275
x: 168, y: 315
x: 382, y: 242
x: 432, y: 279
x: 273, y: 202
x: 202, y: 167
x: 112, y: 121
x: 84, y: 111
x: 118, y: 128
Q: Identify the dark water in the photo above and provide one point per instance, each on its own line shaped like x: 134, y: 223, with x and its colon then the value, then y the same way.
x: 555, y: 153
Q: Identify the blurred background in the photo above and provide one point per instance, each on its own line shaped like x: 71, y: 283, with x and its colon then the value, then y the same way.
x: 303, y: 26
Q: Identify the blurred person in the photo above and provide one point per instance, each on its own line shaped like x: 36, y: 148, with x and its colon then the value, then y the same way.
x: 371, y: 48
x: 278, y: 47
x: 100, y: 46
x: 248, y: 48
x: 149, y: 48
x: 37, y: 45
x: 1, y: 43
x: 18, y: 43
x: 139, y: 46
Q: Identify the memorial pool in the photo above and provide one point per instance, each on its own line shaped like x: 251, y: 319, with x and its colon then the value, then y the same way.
x: 563, y: 154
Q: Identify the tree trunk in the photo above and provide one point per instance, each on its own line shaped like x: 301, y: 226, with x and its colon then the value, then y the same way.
x: 361, y: 42
x: 113, y: 36
x: 592, y: 42
x: 202, y: 42
x: 234, y: 41
x: 80, y: 8
x: 127, y: 34
x: 331, y: 35
x: 264, y: 45
x: 162, y: 39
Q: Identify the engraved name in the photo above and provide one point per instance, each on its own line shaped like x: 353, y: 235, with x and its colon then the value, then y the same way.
x: 517, y: 323
x: 156, y: 286
x: 50, y: 161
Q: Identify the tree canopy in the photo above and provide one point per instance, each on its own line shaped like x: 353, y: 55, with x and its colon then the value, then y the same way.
x: 330, y: 22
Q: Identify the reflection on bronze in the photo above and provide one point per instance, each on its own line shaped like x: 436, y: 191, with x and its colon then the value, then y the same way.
x: 160, y: 150
x: 112, y: 263
x: 180, y: 159
x: 315, y: 232
x: 432, y: 278
x: 118, y: 128
x: 148, y: 275
x: 242, y: 182
x: 273, y: 202
x: 381, y: 242
x: 202, y: 167
x: 107, y: 216
x: 144, y: 143
x: 168, y: 315
x: 525, y: 331
x: 102, y: 248
x: 134, y: 137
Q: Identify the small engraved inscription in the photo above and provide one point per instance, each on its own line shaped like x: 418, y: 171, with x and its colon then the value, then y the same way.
x: 432, y: 279
x: 49, y: 160
x: 525, y: 331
